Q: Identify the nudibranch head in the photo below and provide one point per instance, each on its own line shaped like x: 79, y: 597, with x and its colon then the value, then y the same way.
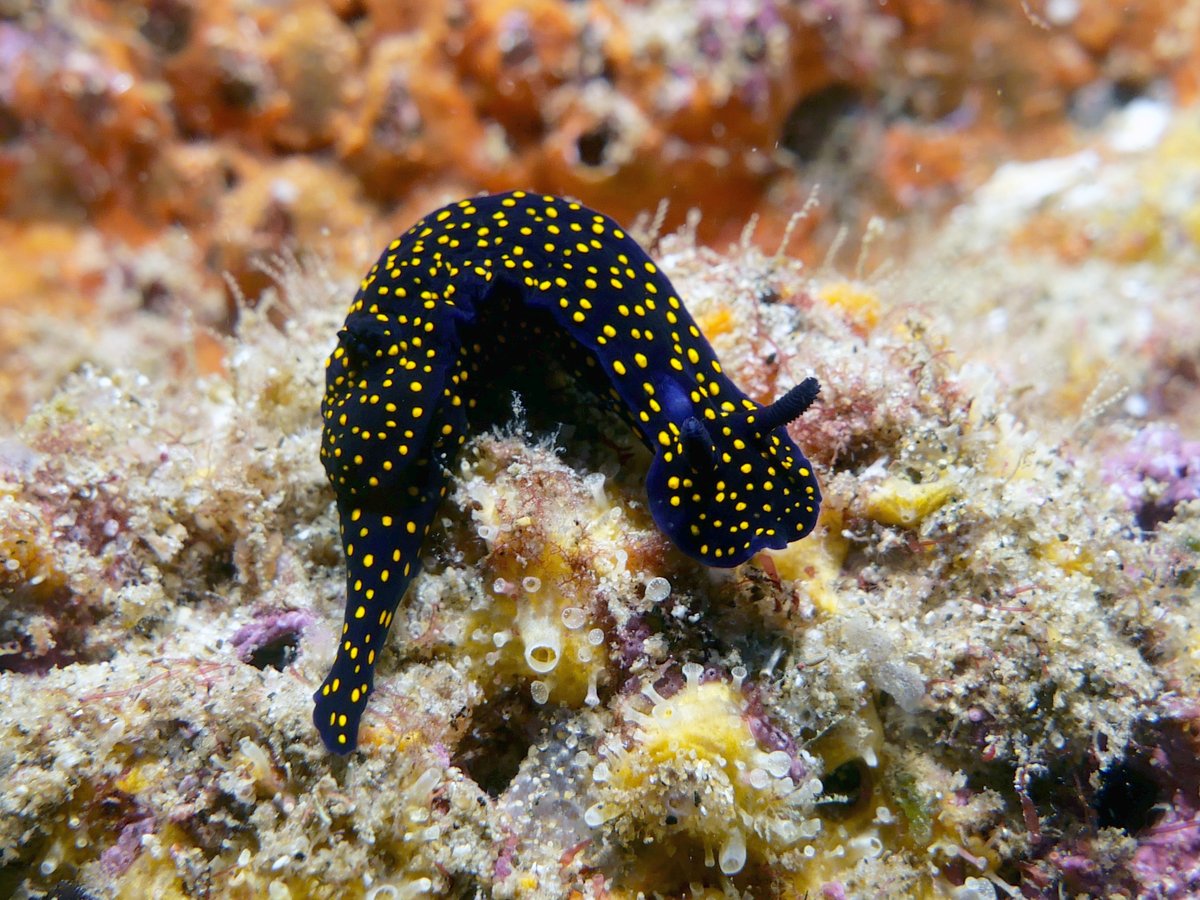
x: 725, y: 487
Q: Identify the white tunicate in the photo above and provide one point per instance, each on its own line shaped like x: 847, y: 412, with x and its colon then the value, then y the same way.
x: 539, y: 691
x: 574, y: 618
x: 739, y: 675
x: 975, y: 889
x: 866, y: 846
x: 601, y: 773
x: 758, y: 779
x: 595, y: 637
x: 733, y: 853
x: 593, y: 698
x: 596, y: 815
x: 620, y: 560
x: 487, y: 532
x: 779, y: 763
x: 692, y: 672
x: 583, y: 654
x: 500, y: 638
x: 426, y: 782
x: 659, y: 701
x: 500, y: 586
x: 594, y: 483
x: 658, y: 589
x: 543, y: 645
x: 50, y: 864
x: 531, y: 583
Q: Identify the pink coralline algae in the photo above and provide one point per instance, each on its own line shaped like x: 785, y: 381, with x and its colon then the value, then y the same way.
x: 1156, y: 471
x: 1166, y: 863
x: 119, y: 857
x: 270, y: 640
x: 1167, y: 860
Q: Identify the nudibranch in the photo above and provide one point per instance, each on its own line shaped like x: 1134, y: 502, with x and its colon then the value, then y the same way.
x: 446, y: 305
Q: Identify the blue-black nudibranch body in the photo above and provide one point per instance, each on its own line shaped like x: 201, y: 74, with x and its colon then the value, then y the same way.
x: 454, y: 292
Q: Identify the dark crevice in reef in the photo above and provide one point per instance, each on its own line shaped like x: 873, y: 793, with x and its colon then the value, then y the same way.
x: 849, y: 789
x: 1127, y: 798
x: 502, y: 731
x: 816, y: 126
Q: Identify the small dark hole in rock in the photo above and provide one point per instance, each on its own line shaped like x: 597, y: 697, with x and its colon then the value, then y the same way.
x: 812, y: 123
x: 168, y: 25
x: 1126, y: 799
x: 592, y: 144
x: 500, y: 736
x: 277, y: 654
x: 848, y: 787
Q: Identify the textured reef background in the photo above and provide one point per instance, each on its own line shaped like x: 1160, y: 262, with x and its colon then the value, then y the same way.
x: 979, y: 678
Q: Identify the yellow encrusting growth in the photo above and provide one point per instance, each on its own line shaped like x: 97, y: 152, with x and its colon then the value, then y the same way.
x: 898, y: 501
x: 816, y: 563
x: 693, y: 771
x: 27, y: 557
x: 548, y: 543
x: 715, y: 323
x: 860, y: 305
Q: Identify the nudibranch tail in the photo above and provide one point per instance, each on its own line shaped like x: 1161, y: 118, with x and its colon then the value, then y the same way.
x: 383, y: 553
x: 461, y: 289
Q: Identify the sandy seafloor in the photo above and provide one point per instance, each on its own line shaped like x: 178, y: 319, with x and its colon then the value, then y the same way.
x: 979, y: 677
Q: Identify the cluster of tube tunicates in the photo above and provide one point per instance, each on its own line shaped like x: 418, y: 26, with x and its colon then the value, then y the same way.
x: 545, y: 630
x: 544, y: 638
x: 693, y: 762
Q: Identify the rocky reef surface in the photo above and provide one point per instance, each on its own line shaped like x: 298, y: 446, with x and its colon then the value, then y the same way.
x: 978, y: 678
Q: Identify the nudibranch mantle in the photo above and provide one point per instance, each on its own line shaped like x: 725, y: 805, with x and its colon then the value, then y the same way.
x: 452, y: 294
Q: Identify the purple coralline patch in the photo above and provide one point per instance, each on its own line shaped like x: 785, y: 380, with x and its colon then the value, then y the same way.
x: 271, y: 639
x: 1166, y: 863
x: 1167, y: 860
x: 119, y: 857
x: 772, y: 737
x: 1156, y: 802
x: 1155, y: 472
